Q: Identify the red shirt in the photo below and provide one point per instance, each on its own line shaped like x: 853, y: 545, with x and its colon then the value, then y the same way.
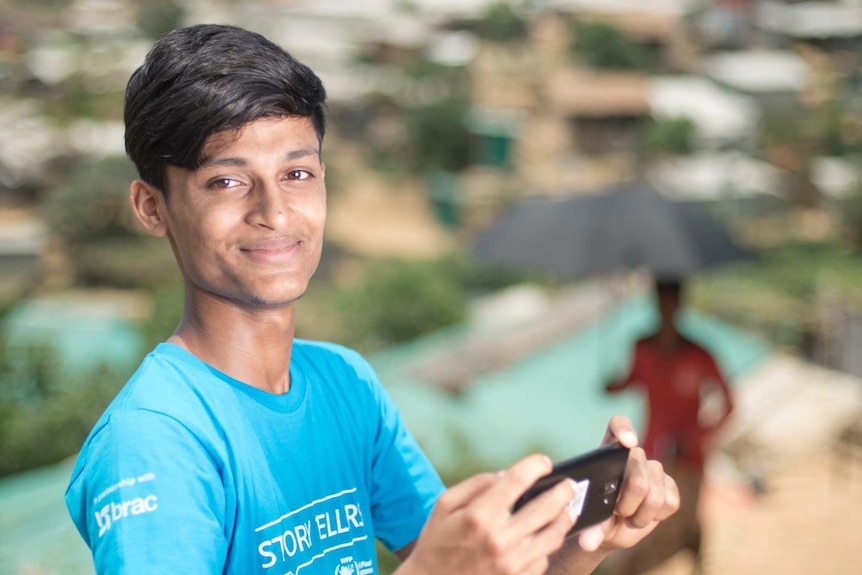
x: 674, y: 383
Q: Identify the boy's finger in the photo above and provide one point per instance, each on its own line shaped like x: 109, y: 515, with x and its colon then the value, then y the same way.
x: 653, y: 501
x: 592, y: 537
x: 464, y: 492
x: 620, y: 429
x: 543, y: 510
x: 512, y: 483
x: 635, y: 486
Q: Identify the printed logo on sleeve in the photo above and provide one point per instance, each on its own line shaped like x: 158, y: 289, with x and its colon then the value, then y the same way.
x: 113, y: 512
x: 109, y: 514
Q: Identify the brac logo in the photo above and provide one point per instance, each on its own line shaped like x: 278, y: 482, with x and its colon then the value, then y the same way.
x: 113, y: 512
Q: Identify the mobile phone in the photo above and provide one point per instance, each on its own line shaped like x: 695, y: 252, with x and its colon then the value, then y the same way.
x: 598, y: 474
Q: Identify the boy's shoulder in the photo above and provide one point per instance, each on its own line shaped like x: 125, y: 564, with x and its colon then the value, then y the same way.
x: 331, y: 360
x: 165, y: 384
x: 322, y: 350
x: 165, y: 377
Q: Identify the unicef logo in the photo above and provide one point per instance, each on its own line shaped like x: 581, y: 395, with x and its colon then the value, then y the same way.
x: 351, y: 566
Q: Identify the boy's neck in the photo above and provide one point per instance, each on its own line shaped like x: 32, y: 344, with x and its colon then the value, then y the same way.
x: 668, y: 339
x: 252, y: 345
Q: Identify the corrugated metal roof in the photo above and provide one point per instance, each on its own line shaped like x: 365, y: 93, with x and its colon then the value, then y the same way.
x: 719, y: 115
x: 841, y: 19
x: 759, y: 71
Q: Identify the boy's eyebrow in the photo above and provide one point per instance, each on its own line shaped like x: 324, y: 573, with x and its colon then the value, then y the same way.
x: 243, y: 162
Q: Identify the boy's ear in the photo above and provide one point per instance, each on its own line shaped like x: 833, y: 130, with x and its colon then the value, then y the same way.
x: 148, y: 204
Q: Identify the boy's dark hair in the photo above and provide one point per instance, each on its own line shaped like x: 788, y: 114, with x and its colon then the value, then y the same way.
x: 206, y: 79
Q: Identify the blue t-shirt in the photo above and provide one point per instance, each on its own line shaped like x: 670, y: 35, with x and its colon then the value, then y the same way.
x: 190, y: 471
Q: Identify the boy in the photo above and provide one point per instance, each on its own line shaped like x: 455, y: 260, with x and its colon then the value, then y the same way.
x: 236, y: 448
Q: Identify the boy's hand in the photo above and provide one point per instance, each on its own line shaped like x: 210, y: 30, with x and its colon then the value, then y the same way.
x: 471, y: 529
x: 648, y: 495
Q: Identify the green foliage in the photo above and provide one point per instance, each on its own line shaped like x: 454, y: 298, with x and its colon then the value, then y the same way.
x: 776, y: 295
x: 46, y: 412
x: 668, y: 136
x: 156, y: 17
x: 168, y: 299
x: 48, y: 4
x: 89, y: 212
x: 421, y: 68
x: 29, y: 373
x: 126, y: 263
x: 91, y: 203
x: 475, y: 278
x: 604, y: 46
x: 833, y: 129
x: 852, y: 206
x: 501, y: 23
x: 387, y: 562
x: 398, y: 301
x: 829, y: 129
x: 406, y: 7
x: 438, y: 135
x: 81, y: 101
x: 73, y: 99
x: 779, y: 127
x: 359, y: 315
x: 434, y: 120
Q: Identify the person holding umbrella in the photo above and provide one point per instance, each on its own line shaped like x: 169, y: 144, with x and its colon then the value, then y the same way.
x: 682, y: 382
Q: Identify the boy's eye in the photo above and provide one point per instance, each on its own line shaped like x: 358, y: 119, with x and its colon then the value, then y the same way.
x: 298, y: 175
x: 223, y: 183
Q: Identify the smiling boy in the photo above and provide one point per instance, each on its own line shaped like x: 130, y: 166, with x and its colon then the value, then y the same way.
x: 237, y: 448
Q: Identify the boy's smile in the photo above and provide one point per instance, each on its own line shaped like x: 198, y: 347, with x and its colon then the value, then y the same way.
x: 247, y: 225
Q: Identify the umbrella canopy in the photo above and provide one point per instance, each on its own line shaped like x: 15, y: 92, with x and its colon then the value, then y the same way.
x: 628, y: 227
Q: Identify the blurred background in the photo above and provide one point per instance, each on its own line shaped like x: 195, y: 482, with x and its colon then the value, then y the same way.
x: 445, y: 117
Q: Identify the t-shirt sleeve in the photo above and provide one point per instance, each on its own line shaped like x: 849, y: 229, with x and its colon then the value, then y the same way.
x: 147, y: 498
x: 405, y: 485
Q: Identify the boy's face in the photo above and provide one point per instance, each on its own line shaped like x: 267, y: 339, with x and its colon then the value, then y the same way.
x: 247, y: 225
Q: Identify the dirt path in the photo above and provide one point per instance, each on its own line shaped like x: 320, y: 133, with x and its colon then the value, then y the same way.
x: 808, y: 523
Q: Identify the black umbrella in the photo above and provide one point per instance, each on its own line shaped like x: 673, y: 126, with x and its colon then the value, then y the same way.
x: 628, y: 227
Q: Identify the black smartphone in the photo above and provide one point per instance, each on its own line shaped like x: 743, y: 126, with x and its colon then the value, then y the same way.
x: 599, y: 475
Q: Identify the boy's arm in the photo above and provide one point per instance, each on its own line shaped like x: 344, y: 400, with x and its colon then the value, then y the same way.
x: 620, y: 384
x: 715, y: 375
x: 148, y: 499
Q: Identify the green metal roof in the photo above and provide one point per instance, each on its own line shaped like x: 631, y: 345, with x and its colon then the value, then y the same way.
x: 84, y: 335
